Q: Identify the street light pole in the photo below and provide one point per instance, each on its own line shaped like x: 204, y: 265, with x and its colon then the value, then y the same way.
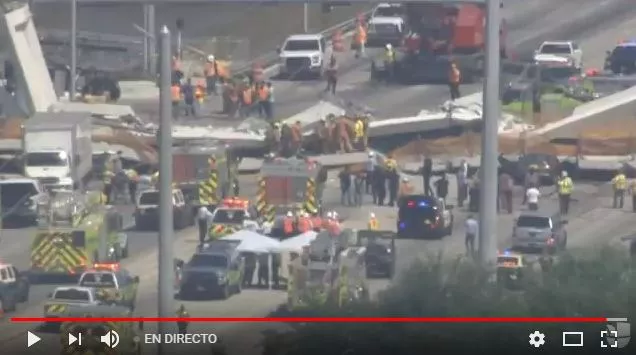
x: 73, y: 49
x: 146, y: 40
x: 152, y: 41
x: 489, y: 144
x: 166, y: 261
x: 306, y: 17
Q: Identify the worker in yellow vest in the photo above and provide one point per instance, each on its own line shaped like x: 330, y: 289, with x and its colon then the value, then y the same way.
x: 373, y: 224
x: 389, y: 62
x: 619, y: 183
x: 358, y: 132
x: 564, y: 189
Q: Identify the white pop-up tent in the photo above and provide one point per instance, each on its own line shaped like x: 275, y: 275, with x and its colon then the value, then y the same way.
x: 297, y: 243
x: 253, y: 242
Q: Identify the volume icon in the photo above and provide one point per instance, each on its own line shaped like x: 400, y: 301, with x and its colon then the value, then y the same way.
x: 111, y: 339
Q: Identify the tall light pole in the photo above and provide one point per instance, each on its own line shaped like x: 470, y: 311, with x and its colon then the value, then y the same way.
x: 306, y: 17
x: 73, y: 49
x: 489, y: 144
x: 166, y: 274
x: 146, y: 40
x: 152, y: 41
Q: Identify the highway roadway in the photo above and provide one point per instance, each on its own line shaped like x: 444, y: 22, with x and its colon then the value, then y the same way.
x: 590, y: 206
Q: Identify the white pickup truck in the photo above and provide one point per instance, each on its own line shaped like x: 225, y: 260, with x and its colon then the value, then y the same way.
x: 569, y: 50
x: 303, y: 55
x: 64, y: 298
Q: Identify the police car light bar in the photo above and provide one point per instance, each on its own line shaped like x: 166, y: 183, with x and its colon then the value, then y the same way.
x: 107, y: 266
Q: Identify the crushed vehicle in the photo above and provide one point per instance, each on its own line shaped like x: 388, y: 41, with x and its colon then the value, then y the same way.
x: 289, y: 185
x: 147, y: 210
x: 540, y: 231
x: 114, y: 284
x: 217, y: 269
x: 14, y: 288
x: 569, y: 50
x: 547, y: 166
x: 421, y: 216
x: 74, y: 232
x: 380, y: 253
x: 232, y: 215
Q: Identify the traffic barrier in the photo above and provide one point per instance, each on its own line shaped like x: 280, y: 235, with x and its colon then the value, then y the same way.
x: 337, y: 42
x: 258, y: 74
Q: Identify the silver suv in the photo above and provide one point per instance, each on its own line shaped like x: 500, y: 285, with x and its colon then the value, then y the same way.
x: 539, y: 231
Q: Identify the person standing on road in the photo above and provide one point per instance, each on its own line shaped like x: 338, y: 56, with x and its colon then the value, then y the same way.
x: 345, y: 188
x: 188, y: 98
x: 389, y: 62
x: 379, y: 189
x: 269, y: 114
x: 531, y: 179
x: 532, y: 196
x: 619, y: 183
x: 182, y: 324
x: 454, y: 79
x: 203, y: 216
x: 506, y: 185
x: 564, y: 189
x: 211, y: 77
x: 427, y: 171
x: 331, y: 73
x: 372, y: 162
x: 441, y: 187
x: 358, y: 184
x: 472, y: 229
x: 462, y: 183
x: 360, y: 38
x: 632, y: 188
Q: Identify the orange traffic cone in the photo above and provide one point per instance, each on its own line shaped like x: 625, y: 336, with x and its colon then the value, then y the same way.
x: 337, y: 41
x: 258, y: 74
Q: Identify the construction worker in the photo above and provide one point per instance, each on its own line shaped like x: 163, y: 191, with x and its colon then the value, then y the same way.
x: 199, y: 95
x: 296, y: 138
x: 358, y: 133
x: 389, y: 62
x: 247, y: 101
x: 360, y: 39
x: 108, y: 185
x: 405, y: 188
x: 211, y: 77
x: 619, y: 183
x: 175, y: 96
x: 454, y: 79
x: 632, y: 188
x: 373, y: 223
x: 342, y: 130
x: 331, y: 74
x: 262, y: 92
x: 182, y: 324
x: 304, y: 223
x: 564, y: 190
x: 288, y: 224
x: 133, y: 181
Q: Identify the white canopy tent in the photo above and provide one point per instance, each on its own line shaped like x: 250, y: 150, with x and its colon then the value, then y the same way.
x: 253, y: 242
x: 297, y: 243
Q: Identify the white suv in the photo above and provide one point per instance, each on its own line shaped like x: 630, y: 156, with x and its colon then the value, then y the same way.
x: 303, y: 54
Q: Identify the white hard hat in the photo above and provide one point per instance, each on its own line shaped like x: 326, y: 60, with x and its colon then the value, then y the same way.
x: 329, y: 215
x: 371, y: 154
x: 564, y: 173
x: 389, y: 46
x: 405, y: 179
x: 371, y: 215
x: 289, y: 214
x: 210, y: 58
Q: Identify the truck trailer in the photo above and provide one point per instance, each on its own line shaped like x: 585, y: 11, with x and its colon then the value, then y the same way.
x: 57, y: 149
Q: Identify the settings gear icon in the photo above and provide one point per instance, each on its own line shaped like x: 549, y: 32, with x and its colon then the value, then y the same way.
x: 537, y: 339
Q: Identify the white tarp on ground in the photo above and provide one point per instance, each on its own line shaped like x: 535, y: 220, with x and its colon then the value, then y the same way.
x: 253, y: 242
x: 297, y: 243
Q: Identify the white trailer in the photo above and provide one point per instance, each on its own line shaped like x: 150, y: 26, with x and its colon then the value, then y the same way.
x: 57, y: 149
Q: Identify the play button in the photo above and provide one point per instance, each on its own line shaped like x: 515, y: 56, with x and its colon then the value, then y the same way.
x: 32, y: 339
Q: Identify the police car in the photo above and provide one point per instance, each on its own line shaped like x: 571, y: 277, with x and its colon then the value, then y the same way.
x: 421, y: 216
x: 114, y: 284
x: 233, y: 215
x: 622, y: 59
x: 510, y: 268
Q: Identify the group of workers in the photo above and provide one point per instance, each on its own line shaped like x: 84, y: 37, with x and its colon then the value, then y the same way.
x: 302, y: 222
x: 120, y: 185
x: 342, y: 134
x: 382, y: 176
x: 285, y: 140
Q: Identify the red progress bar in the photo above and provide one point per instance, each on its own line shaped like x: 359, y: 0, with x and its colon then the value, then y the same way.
x: 323, y: 320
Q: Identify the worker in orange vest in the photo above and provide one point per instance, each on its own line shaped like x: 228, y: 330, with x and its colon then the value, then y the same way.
x: 360, y: 39
x: 211, y: 72
x: 175, y: 96
x: 304, y: 223
x: 316, y: 223
x: 247, y: 101
x: 199, y: 94
x: 296, y: 137
x: 288, y: 224
x: 263, y: 99
x: 454, y: 78
x: 373, y: 222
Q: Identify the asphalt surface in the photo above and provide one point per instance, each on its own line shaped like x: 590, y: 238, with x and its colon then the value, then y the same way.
x: 584, y: 230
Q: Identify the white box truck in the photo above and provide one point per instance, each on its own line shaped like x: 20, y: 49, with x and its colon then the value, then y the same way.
x: 57, y: 149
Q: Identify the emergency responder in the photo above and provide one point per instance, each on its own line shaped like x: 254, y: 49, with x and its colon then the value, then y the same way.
x: 250, y: 267
x: 373, y: 223
x: 462, y: 183
x: 297, y: 138
x: 372, y: 162
x: 506, y: 186
x: 247, y: 101
x: 263, y: 270
x: 211, y: 78
x: 389, y: 62
x: 175, y: 96
x: 346, y: 196
x: 427, y: 172
x: 359, y: 133
x: 619, y: 183
x: 203, y: 217
x: 454, y: 79
x: 288, y: 224
x: 441, y: 187
x: 379, y: 185
x: 405, y: 188
x: 263, y: 100
x: 531, y: 180
x: 632, y: 188
x: 182, y: 324
x: 133, y: 181
x: 360, y: 39
x: 108, y: 185
x: 342, y: 129
x: 322, y: 133
x: 564, y: 190
x: 285, y: 140
x: 331, y: 74
x: 187, y: 91
x: 358, y: 188
x: 304, y: 223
